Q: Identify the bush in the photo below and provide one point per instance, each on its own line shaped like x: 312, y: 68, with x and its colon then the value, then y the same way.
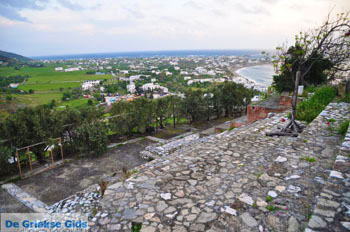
x: 346, y: 98
x: 308, y: 110
x: 343, y: 127
x: 6, y: 168
x: 91, y: 138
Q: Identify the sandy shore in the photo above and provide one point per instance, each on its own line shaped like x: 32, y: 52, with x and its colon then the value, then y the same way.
x: 249, y: 83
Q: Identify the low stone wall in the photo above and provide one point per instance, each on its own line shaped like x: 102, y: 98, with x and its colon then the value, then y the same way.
x: 332, y: 211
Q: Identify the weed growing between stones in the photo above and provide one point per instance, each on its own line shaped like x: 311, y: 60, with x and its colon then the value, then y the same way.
x: 271, y: 208
x: 308, y: 159
x: 136, y: 227
x: 126, y: 173
x: 343, y: 128
x: 269, y: 198
x: 103, y: 186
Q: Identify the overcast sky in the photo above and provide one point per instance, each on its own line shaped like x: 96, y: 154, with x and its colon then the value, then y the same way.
x: 54, y: 27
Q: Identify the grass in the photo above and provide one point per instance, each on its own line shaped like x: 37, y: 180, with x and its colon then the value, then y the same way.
x: 271, y: 208
x: 343, y: 127
x: 76, y: 103
x: 47, y: 74
x: 308, y: 159
x: 49, y: 86
x: 38, y: 98
x: 308, y: 110
x: 269, y: 198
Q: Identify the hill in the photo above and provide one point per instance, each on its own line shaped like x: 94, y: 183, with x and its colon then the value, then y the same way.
x: 7, y: 56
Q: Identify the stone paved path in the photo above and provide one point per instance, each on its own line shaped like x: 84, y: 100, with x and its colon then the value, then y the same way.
x: 25, y: 198
x: 239, y: 180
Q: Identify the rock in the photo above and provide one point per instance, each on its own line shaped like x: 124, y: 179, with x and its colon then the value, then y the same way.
x: 317, y: 222
x: 192, y: 182
x: 148, y: 229
x: 346, y: 225
x: 229, y: 210
x: 206, y: 217
x: 260, y: 202
x: 272, y: 194
x: 246, y: 199
x: 274, y: 222
x: 293, y: 189
x: 129, y: 213
x: 210, y: 203
x: 281, y: 159
x: 161, y: 205
x: 280, y: 188
x: 249, y: 220
x: 336, y: 174
x: 292, y: 177
x: 165, y: 196
x: 328, y: 203
x: 148, y: 216
x: 326, y: 213
x: 293, y: 225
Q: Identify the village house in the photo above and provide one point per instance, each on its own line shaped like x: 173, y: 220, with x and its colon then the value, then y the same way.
x: 90, y: 84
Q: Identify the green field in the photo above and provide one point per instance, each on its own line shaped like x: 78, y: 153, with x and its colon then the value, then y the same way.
x: 76, y: 103
x: 46, y: 84
x: 38, y: 98
x: 46, y: 79
x: 49, y: 86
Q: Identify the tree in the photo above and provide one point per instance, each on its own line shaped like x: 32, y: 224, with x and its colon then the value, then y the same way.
x: 285, y: 80
x: 90, y: 102
x: 175, y: 108
x: 329, y: 41
x: 92, y: 138
x: 30, y: 91
x: 193, y: 105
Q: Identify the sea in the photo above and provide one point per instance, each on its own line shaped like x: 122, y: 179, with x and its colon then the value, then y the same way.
x: 262, y: 74
x: 171, y: 53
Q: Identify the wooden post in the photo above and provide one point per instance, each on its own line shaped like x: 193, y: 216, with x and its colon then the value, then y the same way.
x: 51, y: 156
x: 19, y: 164
x: 30, y: 159
x: 60, y: 141
x: 295, y: 97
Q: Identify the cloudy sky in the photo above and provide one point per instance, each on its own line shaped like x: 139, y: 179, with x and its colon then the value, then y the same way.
x: 54, y: 27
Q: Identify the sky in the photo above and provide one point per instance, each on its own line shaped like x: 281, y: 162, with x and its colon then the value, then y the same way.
x: 58, y: 27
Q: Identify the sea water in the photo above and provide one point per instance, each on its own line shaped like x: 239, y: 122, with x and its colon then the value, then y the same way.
x: 262, y: 74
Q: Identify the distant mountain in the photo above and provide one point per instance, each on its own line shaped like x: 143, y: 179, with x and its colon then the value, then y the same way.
x: 8, y: 56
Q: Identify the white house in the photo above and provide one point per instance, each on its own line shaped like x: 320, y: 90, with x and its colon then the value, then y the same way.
x: 187, y: 78
x: 183, y: 73
x: 59, y: 69
x: 131, y: 87
x: 72, y: 69
x: 90, y: 84
x: 13, y: 85
x: 135, y: 77
x: 151, y: 86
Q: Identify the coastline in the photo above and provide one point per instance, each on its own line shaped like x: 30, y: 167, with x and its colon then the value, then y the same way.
x: 247, y: 82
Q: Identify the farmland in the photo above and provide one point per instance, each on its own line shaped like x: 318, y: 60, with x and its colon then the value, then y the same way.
x: 48, y: 84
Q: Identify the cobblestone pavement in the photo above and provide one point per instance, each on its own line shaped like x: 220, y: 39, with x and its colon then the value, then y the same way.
x: 239, y: 180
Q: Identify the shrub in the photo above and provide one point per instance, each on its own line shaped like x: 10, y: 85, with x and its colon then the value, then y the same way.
x: 6, y: 168
x: 343, y: 127
x: 346, y: 98
x: 308, y: 110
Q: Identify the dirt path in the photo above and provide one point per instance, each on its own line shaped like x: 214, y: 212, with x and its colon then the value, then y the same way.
x: 59, y: 183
